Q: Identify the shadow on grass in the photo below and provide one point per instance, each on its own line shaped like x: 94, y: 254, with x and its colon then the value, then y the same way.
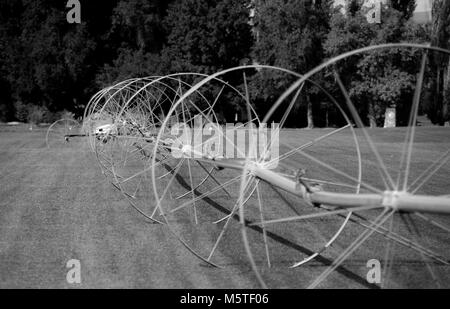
x: 325, y: 261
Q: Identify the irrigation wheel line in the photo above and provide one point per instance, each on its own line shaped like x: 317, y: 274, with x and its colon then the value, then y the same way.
x: 95, y: 114
x: 218, y: 210
x: 165, y: 162
x: 120, y: 151
x: 191, y: 178
x: 134, y: 113
x: 209, y: 200
x: 58, y: 135
x: 394, y: 194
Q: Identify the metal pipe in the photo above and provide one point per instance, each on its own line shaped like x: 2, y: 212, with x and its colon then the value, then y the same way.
x: 401, y: 201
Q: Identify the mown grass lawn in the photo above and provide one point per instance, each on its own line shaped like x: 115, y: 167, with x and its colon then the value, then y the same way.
x: 55, y: 206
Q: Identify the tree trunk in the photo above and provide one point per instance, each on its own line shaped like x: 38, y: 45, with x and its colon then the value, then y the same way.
x: 371, y: 115
x: 309, y: 112
x: 440, y: 96
x: 140, y: 40
x: 440, y: 37
x: 445, y: 103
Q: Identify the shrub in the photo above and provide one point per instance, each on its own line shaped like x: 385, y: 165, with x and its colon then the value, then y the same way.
x: 31, y: 113
x: 21, y: 111
x: 36, y: 114
x: 65, y: 114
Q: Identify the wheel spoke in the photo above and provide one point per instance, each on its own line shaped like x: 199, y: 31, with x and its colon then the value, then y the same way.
x: 409, y: 142
x: 388, y: 257
x: 212, y: 177
x: 200, y: 197
x: 429, y: 172
x: 360, y: 124
x: 433, y: 222
x: 224, y: 228
x: 329, y: 167
x: 327, y: 245
x: 307, y: 145
x: 399, y: 239
x: 381, y: 219
x: 315, y: 215
x: 261, y: 217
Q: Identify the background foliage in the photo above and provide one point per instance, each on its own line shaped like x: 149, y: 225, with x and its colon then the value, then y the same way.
x: 48, y: 66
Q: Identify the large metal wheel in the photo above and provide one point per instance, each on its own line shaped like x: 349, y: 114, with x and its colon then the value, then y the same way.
x: 388, y: 174
x: 205, y: 216
x: 61, y: 133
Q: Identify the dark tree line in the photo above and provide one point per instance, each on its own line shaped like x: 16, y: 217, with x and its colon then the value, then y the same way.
x: 48, y: 65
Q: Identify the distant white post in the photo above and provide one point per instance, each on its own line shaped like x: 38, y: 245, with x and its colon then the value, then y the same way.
x: 374, y: 13
x: 390, y: 118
